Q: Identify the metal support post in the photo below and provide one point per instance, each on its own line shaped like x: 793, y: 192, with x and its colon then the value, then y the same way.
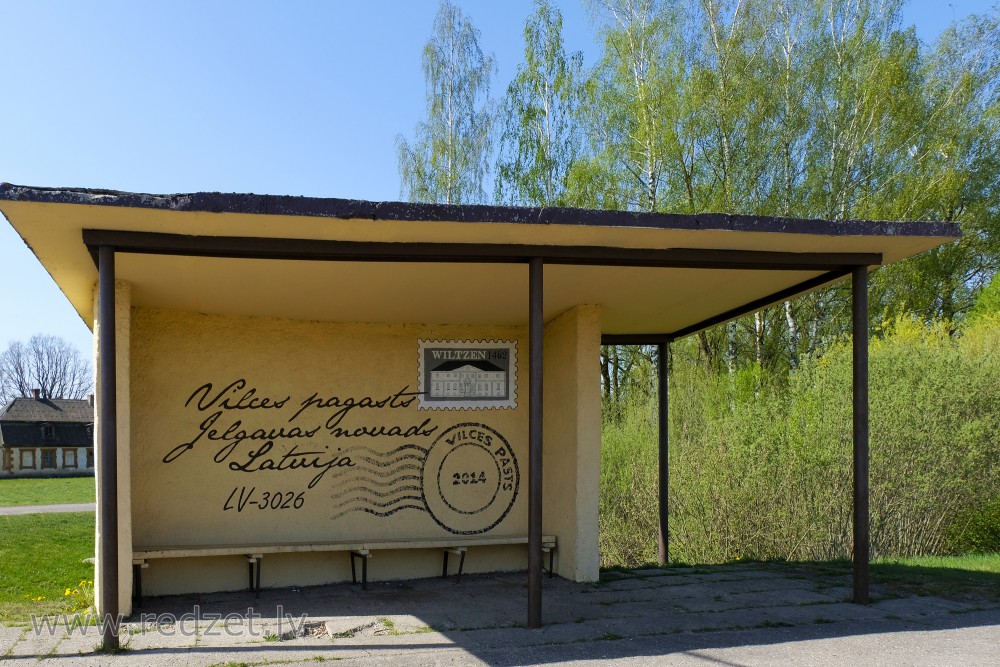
x: 108, y: 445
x: 664, y: 542
x: 859, y: 287
x: 535, y: 344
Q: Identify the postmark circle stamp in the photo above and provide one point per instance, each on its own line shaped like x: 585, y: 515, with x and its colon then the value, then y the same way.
x: 470, y: 479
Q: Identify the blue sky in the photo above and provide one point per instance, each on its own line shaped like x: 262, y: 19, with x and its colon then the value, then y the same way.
x: 302, y: 98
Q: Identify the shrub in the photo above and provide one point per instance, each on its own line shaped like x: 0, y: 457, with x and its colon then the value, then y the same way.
x: 977, y: 530
x: 761, y: 468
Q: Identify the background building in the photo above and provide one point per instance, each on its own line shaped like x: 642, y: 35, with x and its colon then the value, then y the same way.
x: 43, y: 437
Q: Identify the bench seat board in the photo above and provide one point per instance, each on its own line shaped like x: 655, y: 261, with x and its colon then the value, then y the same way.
x: 254, y: 553
x: 241, y: 549
x: 149, y: 552
x: 447, y: 543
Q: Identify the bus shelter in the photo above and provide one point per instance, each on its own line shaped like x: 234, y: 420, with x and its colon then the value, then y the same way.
x: 322, y: 385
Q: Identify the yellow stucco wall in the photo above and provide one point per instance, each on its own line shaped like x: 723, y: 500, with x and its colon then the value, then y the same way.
x: 572, y: 439
x: 209, y: 392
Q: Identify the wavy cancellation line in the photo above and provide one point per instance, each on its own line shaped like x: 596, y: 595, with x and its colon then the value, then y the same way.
x: 374, y: 512
x: 391, y: 452
x: 370, y: 506
x: 382, y: 482
x: 386, y: 464
x: 383, y: 493
x: 380, y: 473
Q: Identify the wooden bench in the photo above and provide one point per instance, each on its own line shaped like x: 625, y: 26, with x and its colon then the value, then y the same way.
x: 254, y: 554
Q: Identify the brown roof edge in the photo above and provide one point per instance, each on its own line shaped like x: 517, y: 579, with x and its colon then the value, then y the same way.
x: 217, y: 202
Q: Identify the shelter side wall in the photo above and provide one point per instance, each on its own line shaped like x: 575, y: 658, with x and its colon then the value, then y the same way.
x: 572, y: 439
x: 123, y: 355
x: 265, y: 431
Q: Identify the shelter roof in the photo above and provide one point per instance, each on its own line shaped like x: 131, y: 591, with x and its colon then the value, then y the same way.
x: 255, y: 255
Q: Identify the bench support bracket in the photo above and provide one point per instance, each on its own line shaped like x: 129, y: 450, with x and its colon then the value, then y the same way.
x: 458, y: 551
x: 253, y: 572
x: 138, y: 565
x: 364, y: 555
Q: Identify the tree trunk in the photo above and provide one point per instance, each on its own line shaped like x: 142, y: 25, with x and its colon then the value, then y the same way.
x: 793, y: 337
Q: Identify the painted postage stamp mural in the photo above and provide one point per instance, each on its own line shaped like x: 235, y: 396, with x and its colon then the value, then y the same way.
x: 467, y: 374
x: 341, y: 455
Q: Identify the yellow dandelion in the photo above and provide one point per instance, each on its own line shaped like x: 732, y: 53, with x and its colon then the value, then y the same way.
x: 67, y: 592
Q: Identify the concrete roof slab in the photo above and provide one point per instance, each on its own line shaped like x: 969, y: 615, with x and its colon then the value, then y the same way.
x: 637, y: 296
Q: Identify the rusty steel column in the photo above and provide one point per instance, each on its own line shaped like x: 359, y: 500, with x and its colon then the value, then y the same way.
x: 859, y: 311
x: 664, y: 535
x: 108, y: 444
x: 535, y: 343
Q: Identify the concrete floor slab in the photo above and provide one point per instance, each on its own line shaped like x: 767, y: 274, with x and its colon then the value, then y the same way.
x: 739, y: 616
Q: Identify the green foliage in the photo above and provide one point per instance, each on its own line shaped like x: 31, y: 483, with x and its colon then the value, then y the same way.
x: 977, y: 530
x: 633, y: 107
x: 449, y: 158
x: 988, y: 303
x: 628, y: 505
x: 627, y: 376
x: 937, y: 401
x: 761, y: 468
x: 539, y: 142
x: 802, y: 108
x: 819, y: 109
x: 782, y: 109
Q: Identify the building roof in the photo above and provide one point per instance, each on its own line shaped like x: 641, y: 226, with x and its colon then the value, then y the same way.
x: 478, y: 364
x: 256, y: 255
x: 46, y: 410
x: 21, y: 420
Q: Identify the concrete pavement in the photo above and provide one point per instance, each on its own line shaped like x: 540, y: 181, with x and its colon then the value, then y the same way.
x: 44, y: 509
x: 743, y: 615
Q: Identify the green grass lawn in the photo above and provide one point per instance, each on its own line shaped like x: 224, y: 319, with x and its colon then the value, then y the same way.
x: 969, y: 577
x: 973, y: 576
x: 54, y: 491
x: 41, y: 556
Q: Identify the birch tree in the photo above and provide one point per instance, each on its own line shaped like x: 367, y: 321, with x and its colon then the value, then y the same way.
x: 952, y: 173
x: 448, y: 160
x: 540, y: 140
x: 636, y: 96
